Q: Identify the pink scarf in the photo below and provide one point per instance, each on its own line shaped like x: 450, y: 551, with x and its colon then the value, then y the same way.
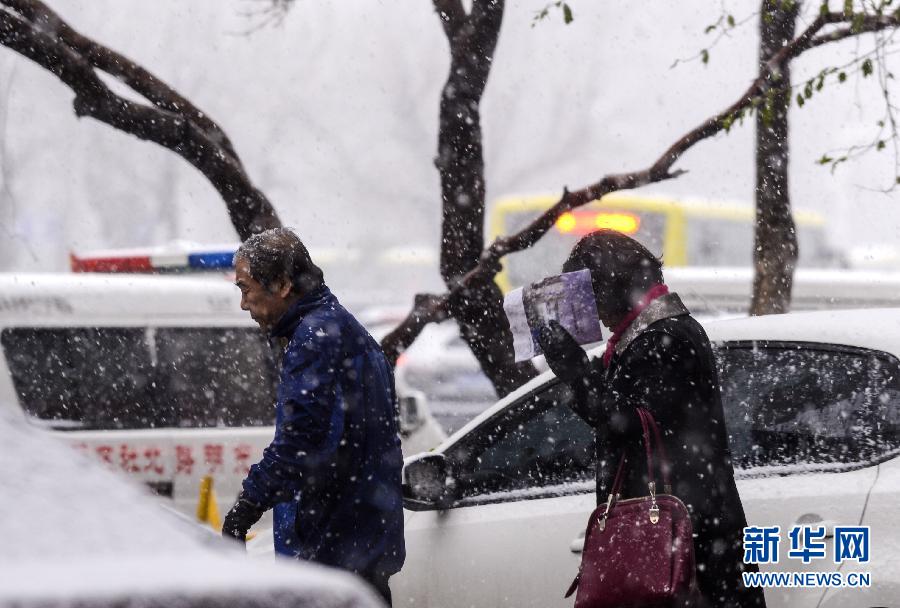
x: 655, y: 292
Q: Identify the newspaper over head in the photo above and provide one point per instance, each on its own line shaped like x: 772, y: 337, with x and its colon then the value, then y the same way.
x: 566, y: 298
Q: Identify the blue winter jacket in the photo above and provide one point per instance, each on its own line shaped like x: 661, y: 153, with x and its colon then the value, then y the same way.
x: 332, y: 472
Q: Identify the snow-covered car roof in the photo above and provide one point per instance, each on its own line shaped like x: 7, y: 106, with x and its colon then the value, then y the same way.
x: 76, y: 535
x: 84, y: 298
x: 730, y: 289
x: 873, y: 328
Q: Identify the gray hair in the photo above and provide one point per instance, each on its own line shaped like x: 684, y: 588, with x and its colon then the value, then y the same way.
x: 276, y: 254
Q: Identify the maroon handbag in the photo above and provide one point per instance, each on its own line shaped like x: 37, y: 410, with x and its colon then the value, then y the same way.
x: 638, y: 552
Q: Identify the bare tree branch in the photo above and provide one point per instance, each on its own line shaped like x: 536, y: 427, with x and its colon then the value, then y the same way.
x: 478, y: 307
x: 103, y: 58
x: 865, y: 25
x: 434, y: 307
x: 205, y: 148
x: 451, y: 14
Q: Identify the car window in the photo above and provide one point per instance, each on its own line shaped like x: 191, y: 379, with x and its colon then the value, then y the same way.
x: 82, y: 377
x: 536, y: 442
x: 135, y: 378
x: 215, y: 376
x: 796, y: 403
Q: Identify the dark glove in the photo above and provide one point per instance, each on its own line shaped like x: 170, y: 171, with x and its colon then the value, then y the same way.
x: 563, y: 354
x: 571, y: 365
x: 241, y: 517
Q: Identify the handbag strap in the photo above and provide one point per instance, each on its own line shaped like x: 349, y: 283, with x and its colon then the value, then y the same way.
x: 648, y: 444
x: 648, y: 423
x: 665, y: 465
x: 616, y: 488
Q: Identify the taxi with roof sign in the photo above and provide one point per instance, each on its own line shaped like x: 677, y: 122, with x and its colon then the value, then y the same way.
x: 152, y: 367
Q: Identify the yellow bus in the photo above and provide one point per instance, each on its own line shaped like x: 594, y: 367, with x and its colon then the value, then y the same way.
x: 683, y: 233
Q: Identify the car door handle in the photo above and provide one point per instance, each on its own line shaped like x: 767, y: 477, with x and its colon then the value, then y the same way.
x: 577, y: 545
x: 815, y: 520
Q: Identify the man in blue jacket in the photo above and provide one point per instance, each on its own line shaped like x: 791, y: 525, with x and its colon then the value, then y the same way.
x: 332, y: 472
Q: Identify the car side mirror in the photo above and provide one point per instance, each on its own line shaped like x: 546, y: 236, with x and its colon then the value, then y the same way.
x: 412, y: 406
x: 427, y: 483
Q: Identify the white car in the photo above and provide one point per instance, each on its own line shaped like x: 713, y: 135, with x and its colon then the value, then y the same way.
x: 163, y: 378
x: 77, y: 535
x: 441, y: 366
x: 496, y: 514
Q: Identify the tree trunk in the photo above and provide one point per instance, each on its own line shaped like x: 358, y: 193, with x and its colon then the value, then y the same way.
x: 479, y: 307
x: 433, y: 308
x: 32, y: 29
x: 775, y: 246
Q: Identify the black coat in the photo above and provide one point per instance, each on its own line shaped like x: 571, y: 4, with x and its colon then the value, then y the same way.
x: 665, y: 364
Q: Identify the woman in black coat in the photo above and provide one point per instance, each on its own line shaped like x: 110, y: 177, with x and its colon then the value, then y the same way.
x: 658, y: 358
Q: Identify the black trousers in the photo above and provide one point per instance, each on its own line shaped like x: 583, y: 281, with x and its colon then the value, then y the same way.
x: 379, y: 581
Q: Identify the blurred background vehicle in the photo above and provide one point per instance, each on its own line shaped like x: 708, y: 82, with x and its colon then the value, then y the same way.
x: 160, y: 377
x: 441, y: 365
x: 683, y: 232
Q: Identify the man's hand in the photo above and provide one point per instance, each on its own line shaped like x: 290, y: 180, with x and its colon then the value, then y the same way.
x: 563, y: 354
x: 240, y: 518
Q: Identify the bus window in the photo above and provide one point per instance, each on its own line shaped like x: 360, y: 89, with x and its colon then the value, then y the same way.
x: 547, y: 256
x: 682, y: 233
x: 719, y: 242
x: 729, y: 242
x: 815, y: 252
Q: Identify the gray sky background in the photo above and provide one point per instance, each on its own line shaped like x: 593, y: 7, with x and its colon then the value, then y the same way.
x: 335, y: 116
